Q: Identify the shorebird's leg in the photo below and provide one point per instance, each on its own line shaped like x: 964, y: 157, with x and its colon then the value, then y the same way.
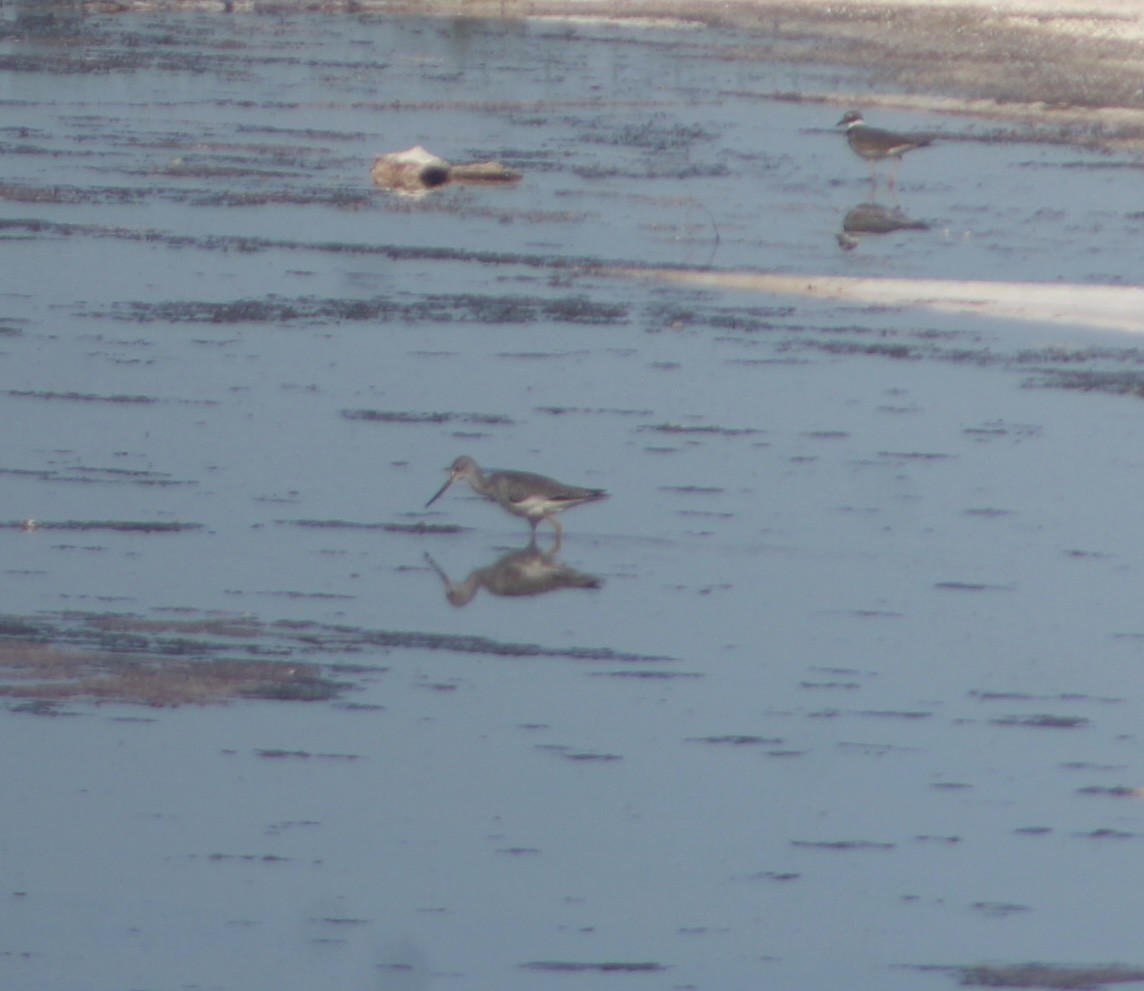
x: 556, y: 525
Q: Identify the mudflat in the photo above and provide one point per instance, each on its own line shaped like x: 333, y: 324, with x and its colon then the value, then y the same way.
x: 1074, y: 63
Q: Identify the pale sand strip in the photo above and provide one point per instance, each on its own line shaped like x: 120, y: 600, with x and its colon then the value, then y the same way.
x: 1105, y: 307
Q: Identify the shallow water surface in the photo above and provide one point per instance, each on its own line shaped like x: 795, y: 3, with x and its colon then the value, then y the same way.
x: 838, y: 688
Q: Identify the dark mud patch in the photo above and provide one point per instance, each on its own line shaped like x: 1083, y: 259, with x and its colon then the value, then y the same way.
x: 651, y: 675
x: 871, y: 749
x: 692, y: 489
x: 654, y: 170
x: 738, y: 740
x: 1042, y: 721
x: 1039, y: 975
x: 251, y: 245
x: 999, y: 910
x: 602, y: 410
x: 710, y: 430
x: 49, y: 674
x: 338, y: 638
x: 115, y: 526
x: 580, y: 756
x: 47, y: 667
x: 70, y: 195
x: 409, y: 417
x: 341, y: 199
x: 460, y: 308
x: 1109, y: 370
x: 911, y: 456
x: 909, y: 714
x: 772, y: 876
x: 956, y: 586
x: 826, y: 435
x: 1107, y: 834
x: 1085, y: 765
x: 79, y: 397
x: 605, y: 967
x: 1111, y: 791
x: 983, y: 695
x: 249, y: 858
x: 104, y: 657
x: 1115, y: 383
x: 845, y: 845
x: 993, y: 429
x: 275, y: 754
x: 91, y: 475
x: 418, y: 529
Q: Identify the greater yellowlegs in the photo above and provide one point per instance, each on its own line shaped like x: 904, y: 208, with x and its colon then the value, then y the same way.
x: 535, y: 497
x: 875, y: 144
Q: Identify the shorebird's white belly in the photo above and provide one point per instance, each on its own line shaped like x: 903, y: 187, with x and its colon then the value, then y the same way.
x: 536, y: 506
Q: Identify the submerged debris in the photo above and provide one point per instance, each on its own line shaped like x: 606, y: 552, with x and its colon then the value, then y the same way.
x: 415, y: 171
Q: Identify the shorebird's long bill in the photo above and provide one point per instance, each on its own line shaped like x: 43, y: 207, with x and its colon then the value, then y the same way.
x: 440, y: 492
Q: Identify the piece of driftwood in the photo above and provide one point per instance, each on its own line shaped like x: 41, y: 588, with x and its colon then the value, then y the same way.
x: 416, y: 170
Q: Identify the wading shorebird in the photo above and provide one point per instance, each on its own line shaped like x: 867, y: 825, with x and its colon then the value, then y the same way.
x: 535, y: 497
x: 875, y: 144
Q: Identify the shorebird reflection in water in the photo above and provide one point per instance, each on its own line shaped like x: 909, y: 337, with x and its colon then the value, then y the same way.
x: 529, y: 571
x: 875, y: 144
x: 873, y: 218
x: 535, y: 497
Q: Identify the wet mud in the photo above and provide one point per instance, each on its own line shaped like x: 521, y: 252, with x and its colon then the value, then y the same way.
x: 102, y: 659
x: 115, y: 658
